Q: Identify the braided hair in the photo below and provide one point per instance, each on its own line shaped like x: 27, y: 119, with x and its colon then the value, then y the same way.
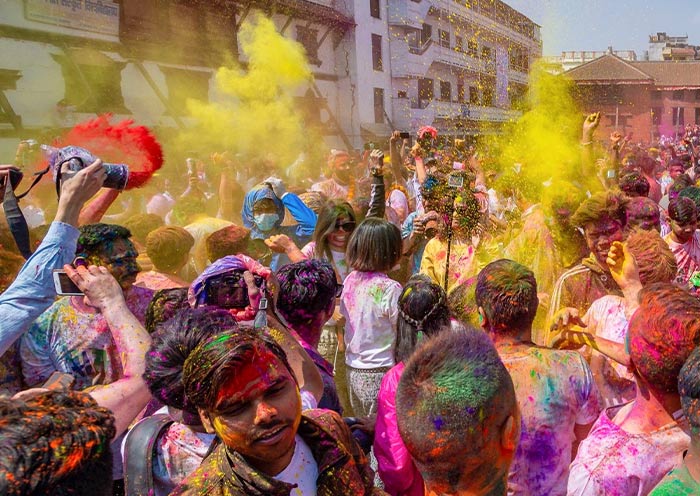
x: 422, y: 311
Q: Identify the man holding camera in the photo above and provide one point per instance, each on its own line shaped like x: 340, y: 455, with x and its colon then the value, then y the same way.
x: 32, y: 291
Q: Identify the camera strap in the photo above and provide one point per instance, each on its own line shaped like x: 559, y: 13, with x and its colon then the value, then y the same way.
x: 15, y: 218
x: 16, y: 222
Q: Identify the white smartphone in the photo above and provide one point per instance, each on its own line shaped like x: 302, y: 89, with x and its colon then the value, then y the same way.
x: 63, y: 284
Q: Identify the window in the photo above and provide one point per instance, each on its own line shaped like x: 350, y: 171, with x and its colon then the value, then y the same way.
x: 697, y: 115
x: 445, y: 91
x: 656, y: 95
x: 426, y: 33
x: 378, y: 105
x: 444, y: 38
x: 486, y: 53
x: 487, y: 96
x: 93, y: 82
x: 656, y: 114
x: 425, y: 91
x: 459, y: 44
x: 460, y: 92
x: 309, y: 40
x: 185, y: 84
x: 473, y: 95
x: 697, y: 94
x: 377, y: 63
x: 402, y: 94
x: 472, y: 48
x: 678, y: 117
x: 678, y: 95
x: 374, y: 9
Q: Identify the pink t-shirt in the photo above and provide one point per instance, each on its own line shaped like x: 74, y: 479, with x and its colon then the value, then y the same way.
x: 613, y: 462
x: 687, y: 256
x: 608, y: 317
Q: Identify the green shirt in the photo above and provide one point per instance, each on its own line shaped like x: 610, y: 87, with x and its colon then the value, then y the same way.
x: 678, y: 482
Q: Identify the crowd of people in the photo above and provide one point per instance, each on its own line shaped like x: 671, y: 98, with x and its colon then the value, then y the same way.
x: 414, y: 322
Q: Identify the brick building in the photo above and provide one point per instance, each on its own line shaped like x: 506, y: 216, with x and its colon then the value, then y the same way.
x: 646, y: 98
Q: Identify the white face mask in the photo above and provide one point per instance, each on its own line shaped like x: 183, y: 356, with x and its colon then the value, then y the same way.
x: 265, y: 222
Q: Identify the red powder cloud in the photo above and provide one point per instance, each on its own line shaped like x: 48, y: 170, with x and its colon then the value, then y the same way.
x: 121, y: 143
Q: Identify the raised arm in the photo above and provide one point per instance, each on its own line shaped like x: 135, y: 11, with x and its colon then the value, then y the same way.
x: 33, y: 291
x: 127, y: 396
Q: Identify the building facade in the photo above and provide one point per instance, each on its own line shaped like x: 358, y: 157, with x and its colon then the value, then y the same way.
x: 648, y: 99
x: 378, y: 65
x: 665, y: 47
x: 461, y: 66
x: 574, y: 58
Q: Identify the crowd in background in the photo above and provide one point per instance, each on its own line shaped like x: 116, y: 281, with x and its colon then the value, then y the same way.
x: 412, y: 322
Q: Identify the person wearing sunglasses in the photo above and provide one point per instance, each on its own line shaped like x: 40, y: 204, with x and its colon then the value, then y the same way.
x: 335, y: 224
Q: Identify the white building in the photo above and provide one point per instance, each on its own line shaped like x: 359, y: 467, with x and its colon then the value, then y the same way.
x: 378, y: 65
x: 461, y: 66
x: 574, y: 58
x: 665, y: 47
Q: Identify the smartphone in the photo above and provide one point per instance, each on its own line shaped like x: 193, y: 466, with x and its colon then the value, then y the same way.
x: 405, y: 135
x: 63, y: 284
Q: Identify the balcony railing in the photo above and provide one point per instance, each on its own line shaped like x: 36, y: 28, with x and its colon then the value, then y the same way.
x: 411, y: 114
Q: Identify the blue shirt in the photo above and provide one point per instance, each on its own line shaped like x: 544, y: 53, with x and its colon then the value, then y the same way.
x: 33, y: 291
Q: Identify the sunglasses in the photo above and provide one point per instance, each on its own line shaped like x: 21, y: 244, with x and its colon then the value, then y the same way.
x: 346, y: 226
x: 338, y: 290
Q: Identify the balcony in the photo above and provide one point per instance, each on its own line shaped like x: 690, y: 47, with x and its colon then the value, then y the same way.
x: 453, y: 8
x: 515, y: 76
x: 412, y: 61
x: 408, y: 12
x: 409, y: 116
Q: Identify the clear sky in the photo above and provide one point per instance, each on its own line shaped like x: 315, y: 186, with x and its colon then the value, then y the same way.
x: 597, y: 24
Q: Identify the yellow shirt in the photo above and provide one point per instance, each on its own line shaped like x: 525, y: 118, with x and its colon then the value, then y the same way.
x: 463, y: 265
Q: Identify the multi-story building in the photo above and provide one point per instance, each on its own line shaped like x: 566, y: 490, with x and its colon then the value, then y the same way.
x: 378, y: 65
x: 665, y: 47
x: 461, y: 66
x: 62, y: 62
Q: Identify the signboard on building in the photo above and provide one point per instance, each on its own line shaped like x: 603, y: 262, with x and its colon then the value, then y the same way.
x: 97, y: 16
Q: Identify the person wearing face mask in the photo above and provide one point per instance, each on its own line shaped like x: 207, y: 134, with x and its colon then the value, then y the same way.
x: 263, y: 213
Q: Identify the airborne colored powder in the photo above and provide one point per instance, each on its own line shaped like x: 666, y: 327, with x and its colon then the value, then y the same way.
x: 121, y: 143
x: 545, y: 141
x: 254, y: 115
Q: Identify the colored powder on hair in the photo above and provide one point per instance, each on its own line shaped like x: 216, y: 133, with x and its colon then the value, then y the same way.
x: 461, y: 383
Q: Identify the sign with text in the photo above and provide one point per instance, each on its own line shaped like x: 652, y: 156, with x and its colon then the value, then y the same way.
x: 97, y: 16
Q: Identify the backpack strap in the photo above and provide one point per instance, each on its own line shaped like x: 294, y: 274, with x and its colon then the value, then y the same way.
x: 139, y: 452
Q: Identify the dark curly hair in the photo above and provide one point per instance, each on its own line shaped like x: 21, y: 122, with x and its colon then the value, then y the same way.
x: 212, y: 363
x: 93, y: 237
x: 306, y: 289
x: 163, y: 306
x: 634, y: 184
x: 172, y: 343
x: 55, y: 443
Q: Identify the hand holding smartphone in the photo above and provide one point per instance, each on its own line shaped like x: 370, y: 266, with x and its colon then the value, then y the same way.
x: 64, y: 285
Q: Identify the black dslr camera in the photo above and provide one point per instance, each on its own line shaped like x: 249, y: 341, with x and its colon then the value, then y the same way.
x: 229, y: 290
